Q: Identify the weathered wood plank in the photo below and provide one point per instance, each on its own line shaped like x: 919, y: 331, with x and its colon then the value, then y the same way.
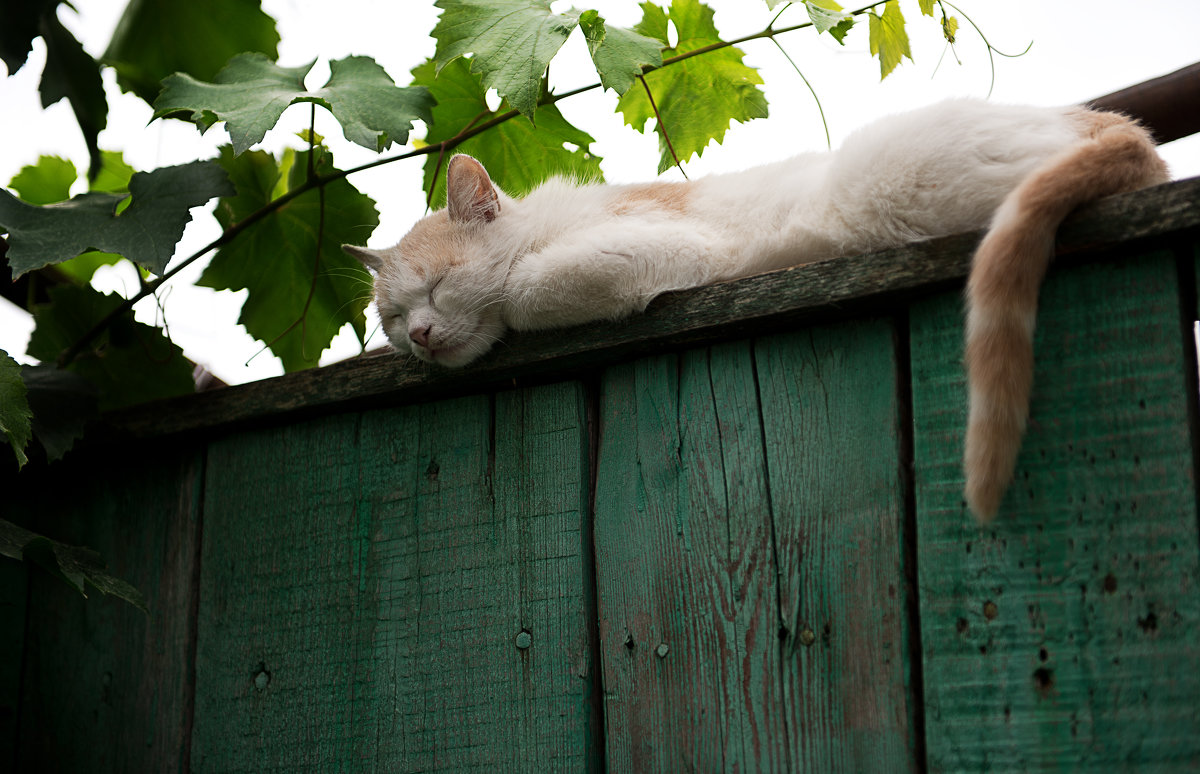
x: 685, y: 569
x: 106, y: 687
x: 1064, y: 637
x: 392, y: 593
x: 833, y: 441
x: 828, y: 290
x: 703, y: 529
x: 14, y: 586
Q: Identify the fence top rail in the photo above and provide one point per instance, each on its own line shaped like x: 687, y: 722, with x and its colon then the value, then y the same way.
x: 873, y: 283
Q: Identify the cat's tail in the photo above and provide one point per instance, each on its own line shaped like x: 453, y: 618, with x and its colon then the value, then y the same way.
x: 1114, y: 154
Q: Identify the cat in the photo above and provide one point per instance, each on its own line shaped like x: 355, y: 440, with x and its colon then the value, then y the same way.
x: 568, y: 254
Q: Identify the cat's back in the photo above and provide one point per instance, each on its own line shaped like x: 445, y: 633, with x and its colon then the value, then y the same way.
x: 946, y: 167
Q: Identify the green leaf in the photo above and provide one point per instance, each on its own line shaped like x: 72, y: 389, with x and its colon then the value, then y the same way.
x: 114, y: 174
x: 63, y: 402
x: 949, y: 28
x: 619, y: 54
x: 517, y: 154
x: 512, y: 42
x: 46, y: 182
x: 889, y: 40
x: 926, y: 6
x: 251, y: 93
x: 14, y: 407
x: 697, y: 98
x: 372, y: 110
x: 145, y: 232
x: 22, y: 19
x: 50, y: 181
x: 81, y: 567
x: 129, y: 363
x: 156, y: 38
x: 827, y: 16
x: 302, y: 288
x: 654, y: 23
x: 73, y: 75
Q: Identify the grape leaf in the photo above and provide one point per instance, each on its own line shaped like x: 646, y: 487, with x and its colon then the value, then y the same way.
x: 46, y: 182
x: 619, y: 54
x: 828, y: 16
x: 251, y: 93
x: 889, y: 40
x: 129, y: 363
x: 697, y: 98
x: 79, y: 566
x: 512, y: 41
x: 63, y: 402
x: 14, y: 407
x: 21, y: 21
x: 114, y: 174
x: 926, y: 6
x: 949, y: 28
x: 71, y: 74
x: 145, y: 232
x: 50, y: 180
x: 156, y: 38
x: 302, y: 287
x: 517, y: 154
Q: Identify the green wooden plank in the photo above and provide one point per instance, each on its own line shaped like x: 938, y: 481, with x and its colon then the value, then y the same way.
x: 829, y: 396
x: 106, y: 687
x: 689, y: 584
x: 14, y: 587
x: 685, y: 569
x: 392, y: 593
x: 1064, y: 638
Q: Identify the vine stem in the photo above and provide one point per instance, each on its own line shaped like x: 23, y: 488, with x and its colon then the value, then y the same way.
x: 318, y: 181
x: 662, y: 127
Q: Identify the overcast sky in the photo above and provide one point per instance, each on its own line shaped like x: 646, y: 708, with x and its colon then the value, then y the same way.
x: 1081, y: 49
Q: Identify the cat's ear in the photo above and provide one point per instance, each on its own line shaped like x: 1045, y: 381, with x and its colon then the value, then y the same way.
x: 470, y: 195
x: 370, y: 258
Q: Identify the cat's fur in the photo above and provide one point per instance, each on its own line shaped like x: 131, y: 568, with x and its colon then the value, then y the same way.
x: 567, y: 254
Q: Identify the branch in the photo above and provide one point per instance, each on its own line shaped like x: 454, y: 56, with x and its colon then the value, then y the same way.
x: 661, y: 126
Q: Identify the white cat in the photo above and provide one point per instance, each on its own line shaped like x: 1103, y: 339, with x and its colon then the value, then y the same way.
x: 567, y: 254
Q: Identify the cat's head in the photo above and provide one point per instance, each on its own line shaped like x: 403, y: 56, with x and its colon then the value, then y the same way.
x: 441, y: 289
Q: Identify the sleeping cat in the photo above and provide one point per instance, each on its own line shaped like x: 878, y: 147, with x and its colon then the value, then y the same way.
x: 567, y: 254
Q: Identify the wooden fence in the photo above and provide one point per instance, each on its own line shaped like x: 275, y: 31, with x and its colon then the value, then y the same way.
x: 726, y: 535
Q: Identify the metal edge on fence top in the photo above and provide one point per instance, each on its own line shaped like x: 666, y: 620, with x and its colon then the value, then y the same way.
x: 837, y: 288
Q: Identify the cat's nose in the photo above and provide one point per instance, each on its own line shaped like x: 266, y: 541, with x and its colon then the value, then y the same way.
x: 420, y: 335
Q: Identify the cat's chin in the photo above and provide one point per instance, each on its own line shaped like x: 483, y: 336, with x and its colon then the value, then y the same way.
x: 455, y: 356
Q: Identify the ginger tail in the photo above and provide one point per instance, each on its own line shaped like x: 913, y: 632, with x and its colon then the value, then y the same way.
x: 1114, y: 155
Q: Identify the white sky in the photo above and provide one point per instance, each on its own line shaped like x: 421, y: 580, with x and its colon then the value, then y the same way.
x: 1081, y: 49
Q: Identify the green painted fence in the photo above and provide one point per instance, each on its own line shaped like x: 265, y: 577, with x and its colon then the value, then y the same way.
x: 726, y: 535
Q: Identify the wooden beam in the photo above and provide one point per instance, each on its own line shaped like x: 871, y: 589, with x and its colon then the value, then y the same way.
x: 1169, y: 106
x: 834, y: 289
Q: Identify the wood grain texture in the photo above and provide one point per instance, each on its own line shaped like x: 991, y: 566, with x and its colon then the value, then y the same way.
x: 685, y: 569
x: 14, y: 587
x: 106, y: 687
x: 703, y: 526
x: 836, y: 289
x: 829, y: 400
x: 400, y: 591
x: 1064, y: 637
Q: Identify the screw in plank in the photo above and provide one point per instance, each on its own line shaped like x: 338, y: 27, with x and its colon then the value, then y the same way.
x: 524, y: 639
x: 662, y: 650
x: 807, y: 637
x: 263, y: 678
